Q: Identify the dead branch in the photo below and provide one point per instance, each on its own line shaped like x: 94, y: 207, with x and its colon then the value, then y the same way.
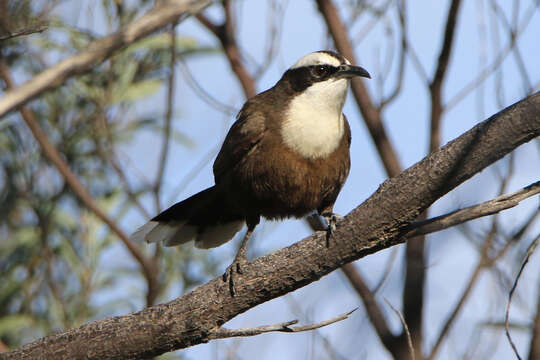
x: 376, y: 316
x: 405, y: 329
x: 457, y: 217
x: 376, y: 224
x: 99, y: 50
x: 222, y: 333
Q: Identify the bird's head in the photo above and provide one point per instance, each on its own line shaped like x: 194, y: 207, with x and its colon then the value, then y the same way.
x: 320, y: 81
x: 322, y: 69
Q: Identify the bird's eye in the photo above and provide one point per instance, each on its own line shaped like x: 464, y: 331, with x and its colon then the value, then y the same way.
x: 320, y: 70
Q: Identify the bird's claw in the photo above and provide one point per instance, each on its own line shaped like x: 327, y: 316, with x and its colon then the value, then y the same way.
x: 331, y: 219
x: 229, y: 274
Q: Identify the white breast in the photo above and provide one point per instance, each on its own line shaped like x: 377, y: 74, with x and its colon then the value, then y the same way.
x: 313, y: 126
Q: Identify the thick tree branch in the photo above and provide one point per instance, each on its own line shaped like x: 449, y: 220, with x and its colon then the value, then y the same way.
x: 99, y: 50
x: 377, y: 224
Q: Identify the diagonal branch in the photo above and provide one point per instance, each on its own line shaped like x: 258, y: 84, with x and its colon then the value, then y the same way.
x: 376, y: 224
x: 405, y: 329
x: 457, y: 217
x: 28, y: 29
x: 99, y: 50
x: 222, y: 333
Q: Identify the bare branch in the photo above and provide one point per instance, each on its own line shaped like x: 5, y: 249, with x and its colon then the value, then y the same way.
x: 530, y: 251
x: 222, y: 333
x: 488, y: 70
x: 405, y: 329
x: 168, y: 118
x: 203, y: 94
x: 437, y: 82
x: 26, y: 30
x: 534, y: 348
x: 402, y: 13
x: 376, y: 316
x: 490, y: 207
x: 99, y: 50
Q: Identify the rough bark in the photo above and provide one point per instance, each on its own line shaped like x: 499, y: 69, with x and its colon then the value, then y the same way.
x: 376, y: 224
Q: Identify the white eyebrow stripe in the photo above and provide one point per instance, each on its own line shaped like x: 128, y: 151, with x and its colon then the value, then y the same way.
x: 317, y: 58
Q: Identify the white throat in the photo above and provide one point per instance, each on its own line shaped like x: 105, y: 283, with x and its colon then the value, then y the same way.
x: 313, y: 125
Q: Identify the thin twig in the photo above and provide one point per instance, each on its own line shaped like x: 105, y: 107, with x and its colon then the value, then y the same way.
x: 530, y: 251
x: 373, y: 310
x: 222, y: 333
x: 203, y: 94
x: 488, y: 70
x: 28, y: 30
x: 402, y: 13
x: 490, y: 207
x: 168, y: 119
x: 405, y: 329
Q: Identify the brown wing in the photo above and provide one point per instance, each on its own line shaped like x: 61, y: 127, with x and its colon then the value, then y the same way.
x: 242, y: 138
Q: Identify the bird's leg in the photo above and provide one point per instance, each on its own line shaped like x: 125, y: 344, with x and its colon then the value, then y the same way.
x: 239, y: 260
x: 331, y: 220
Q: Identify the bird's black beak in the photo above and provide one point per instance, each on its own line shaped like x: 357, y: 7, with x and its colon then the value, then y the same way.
x: 349, y: 71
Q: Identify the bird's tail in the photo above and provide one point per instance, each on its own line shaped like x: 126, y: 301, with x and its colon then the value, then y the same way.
x: 203, y: 217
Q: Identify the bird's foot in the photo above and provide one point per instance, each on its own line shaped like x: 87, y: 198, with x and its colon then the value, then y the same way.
x: 331, y: 219
x: 231, y: 272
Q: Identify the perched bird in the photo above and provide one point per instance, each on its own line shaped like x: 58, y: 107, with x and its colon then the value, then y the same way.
x: 286, y: 155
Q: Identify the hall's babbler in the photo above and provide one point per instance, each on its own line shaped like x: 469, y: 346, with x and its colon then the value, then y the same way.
x: 286, y: 155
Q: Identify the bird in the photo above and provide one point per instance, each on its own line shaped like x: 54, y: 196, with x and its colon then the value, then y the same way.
x: 286, y: 155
